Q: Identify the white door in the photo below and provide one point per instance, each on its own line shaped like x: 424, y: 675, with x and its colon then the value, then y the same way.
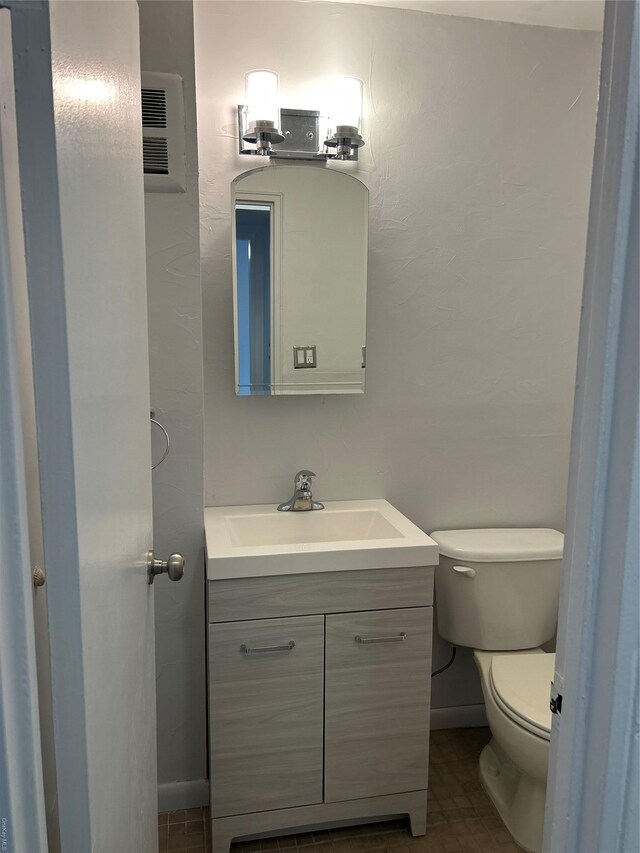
x: 593, y: 789
x: 22, y: 813
x: 15, y: 316
x: 77, y: 75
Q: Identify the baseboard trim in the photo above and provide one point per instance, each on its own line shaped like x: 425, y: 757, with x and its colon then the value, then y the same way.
x: 183, y: 795
x: 459, y: 717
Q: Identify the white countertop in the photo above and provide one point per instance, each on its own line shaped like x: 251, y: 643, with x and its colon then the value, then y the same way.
x: 256, y: 541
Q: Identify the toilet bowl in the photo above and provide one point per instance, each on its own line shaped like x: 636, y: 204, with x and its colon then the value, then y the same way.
x: 513, y: 766
x: 497, y: 593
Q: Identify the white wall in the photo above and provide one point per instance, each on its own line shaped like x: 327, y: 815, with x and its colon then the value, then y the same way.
x: 479, y: 145
x: 574, y: 14
x: 175, y: 355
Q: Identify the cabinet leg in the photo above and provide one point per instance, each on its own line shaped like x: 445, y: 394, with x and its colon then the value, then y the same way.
x: 418, y: 820
x: 220, y: 840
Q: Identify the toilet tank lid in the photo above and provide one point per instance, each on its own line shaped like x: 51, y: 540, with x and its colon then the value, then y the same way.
x: 501, y: 544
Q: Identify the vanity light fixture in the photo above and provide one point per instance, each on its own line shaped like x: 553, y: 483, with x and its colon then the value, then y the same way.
x: 262, y: 111
x: 295, y: 134
x: 345, y: 117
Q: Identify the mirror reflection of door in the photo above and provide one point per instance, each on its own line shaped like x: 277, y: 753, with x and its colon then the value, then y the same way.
x: 253, y: 294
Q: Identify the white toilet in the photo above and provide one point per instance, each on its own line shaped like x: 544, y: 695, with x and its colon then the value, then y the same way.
x: 497, y: 593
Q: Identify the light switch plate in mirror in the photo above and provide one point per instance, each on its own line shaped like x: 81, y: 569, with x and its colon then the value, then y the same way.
x: 304, y: 357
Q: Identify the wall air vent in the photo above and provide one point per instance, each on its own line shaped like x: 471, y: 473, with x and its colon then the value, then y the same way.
x: 163, y: 133
x: 154, y: 108
x: 155, y: 155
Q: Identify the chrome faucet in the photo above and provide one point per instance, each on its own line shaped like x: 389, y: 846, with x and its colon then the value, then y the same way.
x: 302, y: 499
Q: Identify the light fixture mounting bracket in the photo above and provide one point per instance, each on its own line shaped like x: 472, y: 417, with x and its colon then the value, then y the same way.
x: 303, y: 138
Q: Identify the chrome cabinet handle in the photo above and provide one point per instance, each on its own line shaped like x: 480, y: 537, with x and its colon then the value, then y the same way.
x: 247, y: 650
x: 174, y: 567
x: 397, y: 638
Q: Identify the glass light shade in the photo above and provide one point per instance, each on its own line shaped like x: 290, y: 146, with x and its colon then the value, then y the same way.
x: 262, y: 97
x: 345, y: 104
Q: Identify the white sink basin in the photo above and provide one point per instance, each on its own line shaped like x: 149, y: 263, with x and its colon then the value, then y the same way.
x: 295, y: 528
x: 252, y: 541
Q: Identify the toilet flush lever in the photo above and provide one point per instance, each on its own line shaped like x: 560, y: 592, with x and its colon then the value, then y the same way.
x: 174, y: 567
x: 465, y: 570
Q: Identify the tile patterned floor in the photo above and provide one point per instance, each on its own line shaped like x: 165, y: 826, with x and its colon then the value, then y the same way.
x: 186, y: 830
x: 460, y: 818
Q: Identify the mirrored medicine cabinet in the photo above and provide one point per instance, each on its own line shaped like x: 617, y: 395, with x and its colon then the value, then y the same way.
x: 300, y: 280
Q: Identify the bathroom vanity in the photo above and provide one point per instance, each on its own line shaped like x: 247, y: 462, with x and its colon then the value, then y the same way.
x: 319, y: 667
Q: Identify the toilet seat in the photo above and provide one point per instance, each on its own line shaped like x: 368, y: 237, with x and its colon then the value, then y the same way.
x: 520, y: 685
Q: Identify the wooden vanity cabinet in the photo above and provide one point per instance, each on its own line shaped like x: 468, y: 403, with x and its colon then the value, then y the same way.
x: 322, y: 716
x: 267, y: 684
x: 377, y: 690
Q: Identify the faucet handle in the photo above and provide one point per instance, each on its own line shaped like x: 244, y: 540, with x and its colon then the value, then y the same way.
x: 303, y: 479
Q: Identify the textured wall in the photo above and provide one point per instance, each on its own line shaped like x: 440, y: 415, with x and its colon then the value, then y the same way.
x: 479, y: 145
x: 175, y: 353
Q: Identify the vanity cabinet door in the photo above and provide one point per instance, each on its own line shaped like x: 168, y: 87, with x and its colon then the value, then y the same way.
x: 377, y: 694
x: 266, y: 691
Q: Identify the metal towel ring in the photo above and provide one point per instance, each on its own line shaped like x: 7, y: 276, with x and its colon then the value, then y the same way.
x: 166, y: 435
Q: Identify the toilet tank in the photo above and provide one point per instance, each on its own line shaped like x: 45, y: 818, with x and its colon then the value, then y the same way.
x: 498, y: 588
